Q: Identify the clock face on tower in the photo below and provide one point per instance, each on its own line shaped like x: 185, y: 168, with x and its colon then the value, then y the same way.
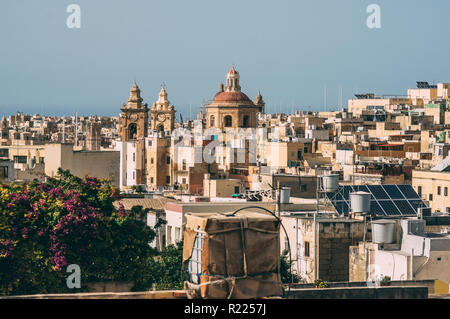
x: 133, y: 117
x: 161, y: 117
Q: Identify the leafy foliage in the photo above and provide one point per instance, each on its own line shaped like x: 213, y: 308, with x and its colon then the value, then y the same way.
x: 44, y: 227
x: 319, y: 283
x: 285, y: 271
x: 166, y: 268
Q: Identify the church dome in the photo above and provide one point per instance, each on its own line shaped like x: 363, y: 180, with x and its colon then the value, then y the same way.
x: 232, y: 97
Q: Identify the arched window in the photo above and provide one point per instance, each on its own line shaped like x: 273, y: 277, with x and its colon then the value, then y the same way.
x: 228, y: 121
x: 132, y: 131
x: 212, y: 120
x: 245, y: 121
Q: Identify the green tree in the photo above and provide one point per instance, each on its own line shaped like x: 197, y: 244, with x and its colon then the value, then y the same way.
x: 285, y: 270
x: 166, y: 268
x: 44, y: 227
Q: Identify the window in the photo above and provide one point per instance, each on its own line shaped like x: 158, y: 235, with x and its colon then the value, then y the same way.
x: 245, y: 121
x: 305, y: 150
x: 236, y: 189
x: 306, y: 248
x: 134, y: 157
x: 439, y: 190
x: 419, y: 190
x: 151, y: 160
x: 20, y: 159
x: 168, y: 159
x: 4, y: 152
x: 212, y: 120
x: 134, y: 175
x: 299, y: 155
x: 177, y: 234
x: 228, y: 121
x: 3, y: 171
x: 151, y: 180
x: 303, y: 188
x: 167, y: 179
x: 41, y: 160
x: 184, y: 164
x: 430, y: 197
x: 445, y: 191
x: 149, y: 143
x: 132, y: 131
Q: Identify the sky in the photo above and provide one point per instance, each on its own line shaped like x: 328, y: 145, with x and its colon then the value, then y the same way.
x: 293, y: 51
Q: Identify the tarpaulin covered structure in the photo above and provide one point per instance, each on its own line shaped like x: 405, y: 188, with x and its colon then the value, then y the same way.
x: 240, y: 255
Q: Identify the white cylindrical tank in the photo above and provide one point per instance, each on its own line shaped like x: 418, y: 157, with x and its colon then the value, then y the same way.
x: 285, y: 195
x: 360, y: 202
x: 330, y: 182
x: 383, y: 231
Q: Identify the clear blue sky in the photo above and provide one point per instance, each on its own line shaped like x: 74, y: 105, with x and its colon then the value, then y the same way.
x: 290, y: 50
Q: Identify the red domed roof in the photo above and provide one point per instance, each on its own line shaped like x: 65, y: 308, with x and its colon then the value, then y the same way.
x: 231, y: 97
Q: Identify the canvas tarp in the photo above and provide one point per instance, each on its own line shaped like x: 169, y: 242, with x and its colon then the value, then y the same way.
x: 240, y: 256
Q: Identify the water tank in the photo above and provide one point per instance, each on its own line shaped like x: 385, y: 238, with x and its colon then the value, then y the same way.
x: 360, y: 202
x: 285, y: 195
x: 383, y: 231
x: 330, y: 182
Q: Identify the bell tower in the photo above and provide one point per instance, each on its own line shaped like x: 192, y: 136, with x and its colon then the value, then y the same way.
x: 134, y: 117
x: 162, y: 114
x: 233, y: 81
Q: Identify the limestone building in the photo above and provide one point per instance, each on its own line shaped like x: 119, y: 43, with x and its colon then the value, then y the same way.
x: 162, y: 114
x: 134, y: 117
x: 231, y: 108
x: 146, y: 146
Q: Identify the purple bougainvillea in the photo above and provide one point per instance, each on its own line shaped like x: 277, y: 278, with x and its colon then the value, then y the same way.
x: 67, y: 220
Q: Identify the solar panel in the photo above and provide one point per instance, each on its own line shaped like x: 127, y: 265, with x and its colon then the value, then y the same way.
x: 386, y: 200
x: 408, y: 191
x: 375, y: 208
x: 389, y: 207
x: 378, y: 192
x: 393, y: 192
x: 361, y: 188
x: 405, y: 207
x: 347, y: 191
x: 416, y: 203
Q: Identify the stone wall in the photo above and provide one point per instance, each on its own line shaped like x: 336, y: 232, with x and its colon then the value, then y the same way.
x: 335, y: 240
x: 361, y: 293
